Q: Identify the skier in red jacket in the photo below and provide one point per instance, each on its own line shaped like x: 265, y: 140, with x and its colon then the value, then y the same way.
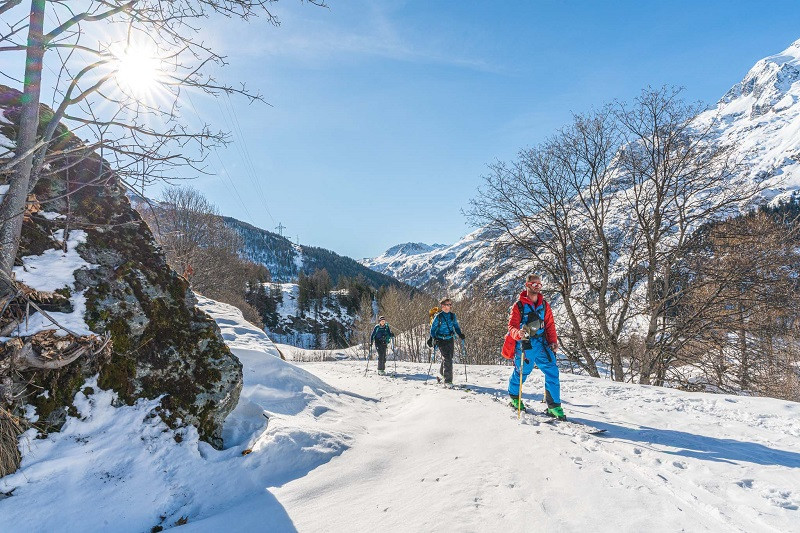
x: 532, y: 340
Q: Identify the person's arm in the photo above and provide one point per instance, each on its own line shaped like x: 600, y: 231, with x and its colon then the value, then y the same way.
x: 434, y: 325
x: 514, y: 330
x: 372, y: 337
x: 550, y: 328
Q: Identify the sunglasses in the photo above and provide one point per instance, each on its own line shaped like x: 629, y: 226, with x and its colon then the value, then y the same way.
x: 533, y: 284
x: 447, y: 305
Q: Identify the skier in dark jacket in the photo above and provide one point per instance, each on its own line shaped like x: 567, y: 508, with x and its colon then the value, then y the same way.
x: 381, y: 335
x: 443, y: 328
x: 533, y: 341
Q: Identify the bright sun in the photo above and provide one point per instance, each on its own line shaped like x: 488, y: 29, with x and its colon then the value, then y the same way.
x: 137, y: 71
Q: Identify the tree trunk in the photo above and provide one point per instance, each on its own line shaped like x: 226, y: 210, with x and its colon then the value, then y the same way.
x: 13, y: 205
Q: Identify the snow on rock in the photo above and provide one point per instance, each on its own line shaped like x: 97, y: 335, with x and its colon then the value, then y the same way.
x: 271, y: 386
x: 122, y: 469
x: 53, y: 270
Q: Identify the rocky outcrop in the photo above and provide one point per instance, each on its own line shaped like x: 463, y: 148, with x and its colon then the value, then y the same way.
x: 161, y: 344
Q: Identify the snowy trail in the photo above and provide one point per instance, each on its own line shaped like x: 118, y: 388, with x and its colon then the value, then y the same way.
x: 433, y: 457
x: 321, y: 447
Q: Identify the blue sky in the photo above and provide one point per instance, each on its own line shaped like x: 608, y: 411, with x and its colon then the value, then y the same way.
x: 385, y: 113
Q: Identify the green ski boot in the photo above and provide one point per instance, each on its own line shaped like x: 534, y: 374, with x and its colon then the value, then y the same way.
x: 516, y: 403
x: 556, y: 412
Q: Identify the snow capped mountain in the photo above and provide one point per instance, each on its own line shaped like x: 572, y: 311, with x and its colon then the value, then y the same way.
x: 759, y: 116
x: 412, y: 248
x: 438, y: 266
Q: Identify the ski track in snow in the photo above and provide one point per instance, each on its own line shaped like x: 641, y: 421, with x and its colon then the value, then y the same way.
x: 648, y: 473
x: 329, y: 449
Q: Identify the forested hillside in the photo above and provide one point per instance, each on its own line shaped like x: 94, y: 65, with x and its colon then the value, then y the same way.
x: 286, y: 260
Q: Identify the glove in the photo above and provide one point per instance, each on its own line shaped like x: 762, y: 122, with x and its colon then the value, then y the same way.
x: 517, y: 334
x: 554, y: 346
x: 462, y: 336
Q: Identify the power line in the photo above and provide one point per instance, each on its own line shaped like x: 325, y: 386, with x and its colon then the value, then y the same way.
x: 225, y: 173
x: 241, y: 147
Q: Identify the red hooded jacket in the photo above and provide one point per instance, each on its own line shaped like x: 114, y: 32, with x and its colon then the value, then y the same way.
x: 513, y: 335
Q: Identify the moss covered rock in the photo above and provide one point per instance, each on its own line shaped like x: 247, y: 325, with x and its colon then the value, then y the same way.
x: 162, y: 345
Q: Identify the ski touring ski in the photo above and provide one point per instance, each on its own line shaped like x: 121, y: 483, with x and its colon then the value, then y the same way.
x: 540, y: 417
x: 543, y: 417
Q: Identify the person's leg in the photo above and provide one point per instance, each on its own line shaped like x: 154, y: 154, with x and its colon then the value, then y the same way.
x: 527, y: 367
x: 381, y: 347
x: 446, y: 349
x: 546, y: 361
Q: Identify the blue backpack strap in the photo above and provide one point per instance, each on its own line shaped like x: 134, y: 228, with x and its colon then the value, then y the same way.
x: 523, y: 313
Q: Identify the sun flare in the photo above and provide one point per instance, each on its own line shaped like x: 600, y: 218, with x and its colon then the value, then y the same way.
x: 137, y: 71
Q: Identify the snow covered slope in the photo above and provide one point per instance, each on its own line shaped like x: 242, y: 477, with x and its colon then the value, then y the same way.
x: 760, y: 116
x: 343, y: 452
x: 122, y: 469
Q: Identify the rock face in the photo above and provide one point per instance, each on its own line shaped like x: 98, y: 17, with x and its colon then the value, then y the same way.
x: 162, y: 345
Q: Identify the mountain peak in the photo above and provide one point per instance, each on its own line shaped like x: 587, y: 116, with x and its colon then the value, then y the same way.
x: 766, y: 86
x: 411, y: 248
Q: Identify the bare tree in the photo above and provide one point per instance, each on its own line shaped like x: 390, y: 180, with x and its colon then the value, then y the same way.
x: 674, y: 177
x: 96, y: 92
x: 202, y: 248
x: 407, y: 312
x: 605, y: 210
x: 554, y: 207
x: 363, y: 324
x: 748, y: 332
x: 484, y: 321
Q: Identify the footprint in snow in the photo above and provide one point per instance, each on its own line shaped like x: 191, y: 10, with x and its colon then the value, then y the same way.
x: 320, y: 410
x: 782, y: 498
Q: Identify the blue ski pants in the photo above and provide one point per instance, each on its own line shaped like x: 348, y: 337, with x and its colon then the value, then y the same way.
x: 542, y: 356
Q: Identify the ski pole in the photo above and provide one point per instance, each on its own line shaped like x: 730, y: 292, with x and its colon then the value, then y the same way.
x: 433, y: 356
x: 394, y: 356
x: 369, y: 353
x: 519, y: 394
x: 464, y: 354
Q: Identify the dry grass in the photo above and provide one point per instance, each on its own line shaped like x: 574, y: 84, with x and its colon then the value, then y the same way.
x: 11, y: 428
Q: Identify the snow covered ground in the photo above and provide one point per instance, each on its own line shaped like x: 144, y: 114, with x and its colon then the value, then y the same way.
x: 343, y: 452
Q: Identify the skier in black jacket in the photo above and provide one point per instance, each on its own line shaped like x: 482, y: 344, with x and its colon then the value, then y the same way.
x: 443, y: 328
x: 381, y: 335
